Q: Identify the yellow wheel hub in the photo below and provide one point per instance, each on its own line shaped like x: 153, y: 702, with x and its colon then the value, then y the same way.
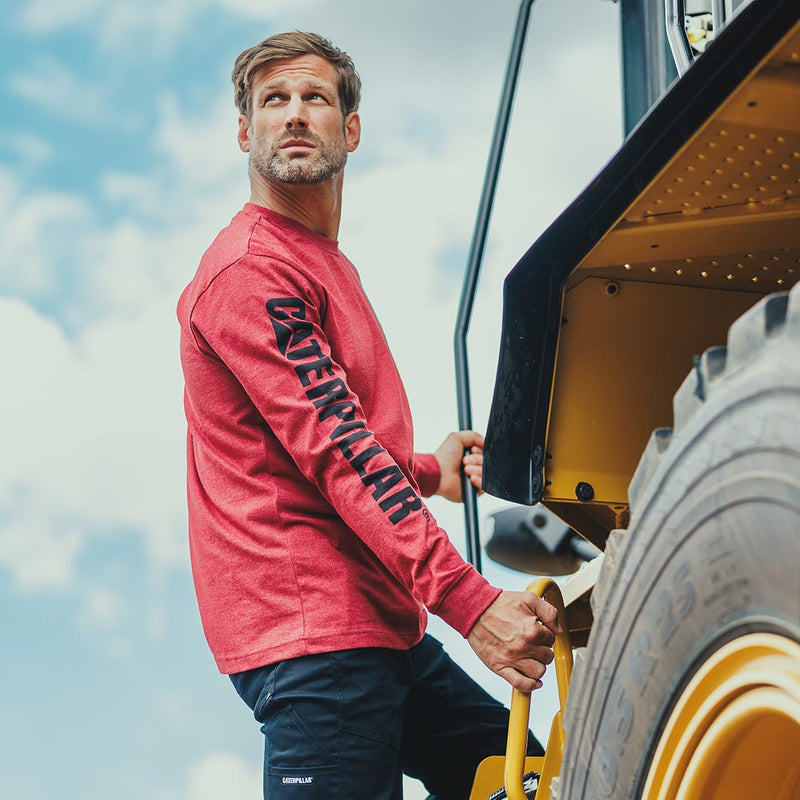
x: 735, y: 732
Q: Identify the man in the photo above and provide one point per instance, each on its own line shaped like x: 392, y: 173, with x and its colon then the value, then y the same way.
x: 313, y: 554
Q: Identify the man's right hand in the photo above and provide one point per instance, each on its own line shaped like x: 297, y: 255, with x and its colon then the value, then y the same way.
x: 514, y: 638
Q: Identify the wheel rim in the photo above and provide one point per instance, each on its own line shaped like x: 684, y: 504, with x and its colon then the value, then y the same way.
x: 735, y: 731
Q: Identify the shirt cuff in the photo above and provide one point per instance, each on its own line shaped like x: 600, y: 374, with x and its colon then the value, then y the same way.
x: 466, y: 602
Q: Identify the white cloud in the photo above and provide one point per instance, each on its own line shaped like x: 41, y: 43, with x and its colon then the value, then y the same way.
x: 51, y: 85
x: 93, y: 441
x: 33, y: 230
x: 160, y: 25
x: 223, y: 775
x: 263, y: 9
x: 93, y: 430
x: 104, y: 607
x: 47, y: 16
x: 29, y: 150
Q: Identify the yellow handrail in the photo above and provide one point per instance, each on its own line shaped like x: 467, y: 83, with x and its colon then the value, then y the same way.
x: 519, y: 715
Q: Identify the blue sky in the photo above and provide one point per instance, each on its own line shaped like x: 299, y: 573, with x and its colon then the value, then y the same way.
x: 118, y: 164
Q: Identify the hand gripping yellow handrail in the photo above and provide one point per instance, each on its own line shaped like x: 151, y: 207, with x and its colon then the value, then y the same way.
x: 517, y: 743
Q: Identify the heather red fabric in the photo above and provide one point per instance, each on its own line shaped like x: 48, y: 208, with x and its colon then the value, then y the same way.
x: 306, y: 527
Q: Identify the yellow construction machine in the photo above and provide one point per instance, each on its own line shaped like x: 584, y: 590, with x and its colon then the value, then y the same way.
x: 648, y: 395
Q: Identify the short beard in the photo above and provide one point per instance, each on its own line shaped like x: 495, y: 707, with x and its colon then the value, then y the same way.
x: 320, y: 165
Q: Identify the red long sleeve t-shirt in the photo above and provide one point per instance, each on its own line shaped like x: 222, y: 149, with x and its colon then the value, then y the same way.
x: 306, y: 528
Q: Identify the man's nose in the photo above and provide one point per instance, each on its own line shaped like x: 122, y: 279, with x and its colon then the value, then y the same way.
x: 296, y: 115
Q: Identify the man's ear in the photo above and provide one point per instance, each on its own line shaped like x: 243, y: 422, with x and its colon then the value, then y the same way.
x: 352, y: 131
x: 243, y: 136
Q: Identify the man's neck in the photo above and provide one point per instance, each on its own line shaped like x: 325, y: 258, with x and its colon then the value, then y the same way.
x: 317, y: 206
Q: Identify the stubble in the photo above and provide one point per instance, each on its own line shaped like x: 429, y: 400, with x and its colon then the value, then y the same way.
x: 326, y: 160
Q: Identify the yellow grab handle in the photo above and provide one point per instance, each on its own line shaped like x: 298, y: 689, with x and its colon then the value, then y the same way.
x: 519, y: 715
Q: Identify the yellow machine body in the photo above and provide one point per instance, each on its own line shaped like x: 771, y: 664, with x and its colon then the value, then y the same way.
x: 718, y: 228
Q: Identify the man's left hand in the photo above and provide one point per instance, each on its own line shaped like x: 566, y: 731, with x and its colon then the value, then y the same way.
x: 461, y: 448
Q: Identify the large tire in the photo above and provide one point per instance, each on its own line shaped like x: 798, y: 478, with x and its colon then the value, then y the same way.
x: 711, y: 556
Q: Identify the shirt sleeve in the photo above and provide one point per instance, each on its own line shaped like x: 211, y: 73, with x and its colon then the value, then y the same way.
x: 266, y: 325
x: 427, y: 473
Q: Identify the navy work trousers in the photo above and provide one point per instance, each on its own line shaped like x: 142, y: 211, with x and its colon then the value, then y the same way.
x: 348, y: 724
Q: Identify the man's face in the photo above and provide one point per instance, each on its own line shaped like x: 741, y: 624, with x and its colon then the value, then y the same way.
x: 296, y: 132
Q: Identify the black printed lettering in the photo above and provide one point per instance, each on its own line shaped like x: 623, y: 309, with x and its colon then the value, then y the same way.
x: 316, y: 367
x: 358, y: 462
x: 383, y: 480
x: 290, y: 326
x: 325, y: 393
x: 311, y: 350
x: 276, y: 308
x: 328, y: 394
x: 346, y: 427
x: 407, y: 500
x: 344, y: 444
x: 344, y: 411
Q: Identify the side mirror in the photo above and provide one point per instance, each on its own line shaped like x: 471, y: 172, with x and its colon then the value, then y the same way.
x: 532, y: 539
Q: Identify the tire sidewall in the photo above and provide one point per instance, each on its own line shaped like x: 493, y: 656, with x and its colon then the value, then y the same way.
x: 711, y: 554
